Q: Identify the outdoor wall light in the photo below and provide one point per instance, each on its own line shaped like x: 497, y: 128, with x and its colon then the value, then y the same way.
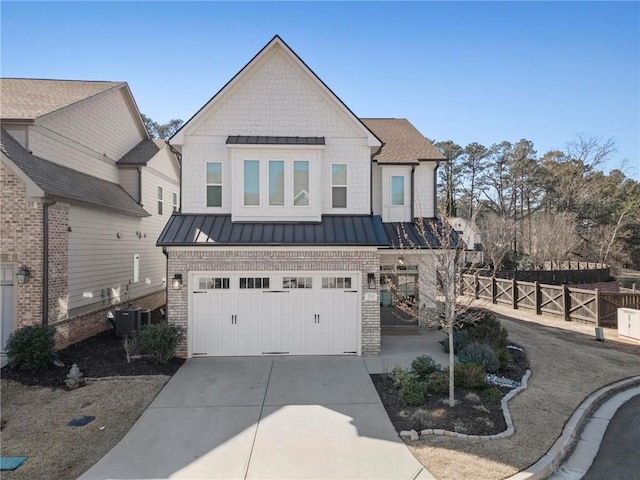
x: 371, y: 280
x: 177, y: 281
x: 401, y: 260
x: 23, y: 275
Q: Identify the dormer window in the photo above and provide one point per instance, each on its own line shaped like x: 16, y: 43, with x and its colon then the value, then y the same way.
x: 275, y: 183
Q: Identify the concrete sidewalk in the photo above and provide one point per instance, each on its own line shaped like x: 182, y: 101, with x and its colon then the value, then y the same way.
x: 264, y: 417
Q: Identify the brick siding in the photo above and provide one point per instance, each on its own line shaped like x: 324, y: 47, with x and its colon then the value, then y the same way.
x: 21, y: 243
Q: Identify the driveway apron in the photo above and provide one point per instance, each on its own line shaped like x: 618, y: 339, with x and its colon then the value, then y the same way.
x: 263, y: 417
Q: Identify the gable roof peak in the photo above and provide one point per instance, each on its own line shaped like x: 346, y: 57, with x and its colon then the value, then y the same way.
x: 178, y: 136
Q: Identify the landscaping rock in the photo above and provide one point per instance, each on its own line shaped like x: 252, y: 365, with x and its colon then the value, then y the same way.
x: 499, y: 381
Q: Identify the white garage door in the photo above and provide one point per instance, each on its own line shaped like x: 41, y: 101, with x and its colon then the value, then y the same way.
x: 263, y: 313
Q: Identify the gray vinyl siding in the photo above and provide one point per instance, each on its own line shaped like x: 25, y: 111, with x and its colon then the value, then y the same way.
x: 130, y: 181
x: 101, y: 264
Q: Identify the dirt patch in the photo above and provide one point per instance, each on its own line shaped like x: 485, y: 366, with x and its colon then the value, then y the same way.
x: 36, y: 408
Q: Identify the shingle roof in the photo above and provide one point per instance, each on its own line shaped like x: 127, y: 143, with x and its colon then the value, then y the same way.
x: 141, y: 153
x: 262, y: 140
x: 30, y: 98
x: 210, y: 230
x: 411, y: 235
x: 66, y: 183
x: 403, y: 143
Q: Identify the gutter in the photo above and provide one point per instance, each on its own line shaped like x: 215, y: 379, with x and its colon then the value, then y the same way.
x: 139, y: 199
x: 166, y: 276
x: 413, y: 192
x: 45, y: 260
x: 435, y: 189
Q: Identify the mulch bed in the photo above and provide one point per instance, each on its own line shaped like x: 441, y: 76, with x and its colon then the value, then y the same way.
x: 102, y: 355
x: 473, y: 413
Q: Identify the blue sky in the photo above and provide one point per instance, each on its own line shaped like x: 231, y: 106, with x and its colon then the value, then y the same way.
x: 479, y: 71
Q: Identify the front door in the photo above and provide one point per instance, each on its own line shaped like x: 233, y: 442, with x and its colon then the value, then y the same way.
x: 398, y: 284
x: 7, y: 309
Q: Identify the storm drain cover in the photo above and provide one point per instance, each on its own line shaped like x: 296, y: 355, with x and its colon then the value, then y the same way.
x: 80, y: 421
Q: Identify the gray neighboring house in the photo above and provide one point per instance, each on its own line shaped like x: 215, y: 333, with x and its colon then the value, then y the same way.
x: 84, y: 195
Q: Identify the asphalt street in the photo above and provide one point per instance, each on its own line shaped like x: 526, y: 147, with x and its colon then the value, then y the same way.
x: 619, y: 454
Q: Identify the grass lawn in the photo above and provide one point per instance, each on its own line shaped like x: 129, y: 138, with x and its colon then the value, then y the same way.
x: 567, y: 366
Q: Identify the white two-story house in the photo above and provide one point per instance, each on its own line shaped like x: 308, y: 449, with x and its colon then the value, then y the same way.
x: 289, y: 200
x: 84, y: 195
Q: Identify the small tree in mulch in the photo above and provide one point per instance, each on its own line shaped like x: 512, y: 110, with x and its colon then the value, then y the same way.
x: 438, y: 251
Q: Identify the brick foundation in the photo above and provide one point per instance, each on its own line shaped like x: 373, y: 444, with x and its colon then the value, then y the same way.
x: 85, y: 325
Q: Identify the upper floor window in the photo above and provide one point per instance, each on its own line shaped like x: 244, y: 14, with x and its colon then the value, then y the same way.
x: 301, y: 183
x: 397, y: 190
x: 214, y: 184
x: 251, y: 182
x: 339, y: 185
x: 160, y: 200
x: 175, y: 202
x: 276, y: 182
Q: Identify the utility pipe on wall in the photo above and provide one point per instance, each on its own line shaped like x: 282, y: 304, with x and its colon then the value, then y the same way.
x: 45, y: 260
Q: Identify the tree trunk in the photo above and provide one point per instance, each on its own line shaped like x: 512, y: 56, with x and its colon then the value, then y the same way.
x: 452, y: 399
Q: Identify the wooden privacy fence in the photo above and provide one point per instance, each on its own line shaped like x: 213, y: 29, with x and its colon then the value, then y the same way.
x: 572, y: 304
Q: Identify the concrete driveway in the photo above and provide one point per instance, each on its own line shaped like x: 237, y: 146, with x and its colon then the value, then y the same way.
x: 264, y: 417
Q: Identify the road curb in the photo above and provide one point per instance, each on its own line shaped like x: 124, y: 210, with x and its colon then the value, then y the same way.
x: 554, y: 457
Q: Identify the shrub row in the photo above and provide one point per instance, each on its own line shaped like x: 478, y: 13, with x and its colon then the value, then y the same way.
x: 33, y: 347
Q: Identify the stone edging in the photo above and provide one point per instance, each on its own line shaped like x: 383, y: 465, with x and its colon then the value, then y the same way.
x: 124, y: 377
x: 413, y: 435
x: 554, y: 457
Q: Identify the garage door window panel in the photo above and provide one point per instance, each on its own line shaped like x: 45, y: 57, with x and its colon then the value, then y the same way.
x: 214, y: 283
x: 254, y: 283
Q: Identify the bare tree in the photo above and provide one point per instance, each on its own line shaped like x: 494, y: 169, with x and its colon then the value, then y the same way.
x: 550, y: 237
x: 497, y: 234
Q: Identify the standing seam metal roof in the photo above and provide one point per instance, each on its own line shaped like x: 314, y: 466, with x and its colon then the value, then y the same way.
x: 271, y: 140
x: 202, y: 230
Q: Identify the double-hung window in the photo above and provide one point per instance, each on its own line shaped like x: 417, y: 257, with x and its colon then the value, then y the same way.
x: 160, y: 200
x: 339, y: 185
x: 175, y: 202
x: 214, y: 184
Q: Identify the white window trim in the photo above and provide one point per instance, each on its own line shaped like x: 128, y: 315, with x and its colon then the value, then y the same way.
x: 175, y: 201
